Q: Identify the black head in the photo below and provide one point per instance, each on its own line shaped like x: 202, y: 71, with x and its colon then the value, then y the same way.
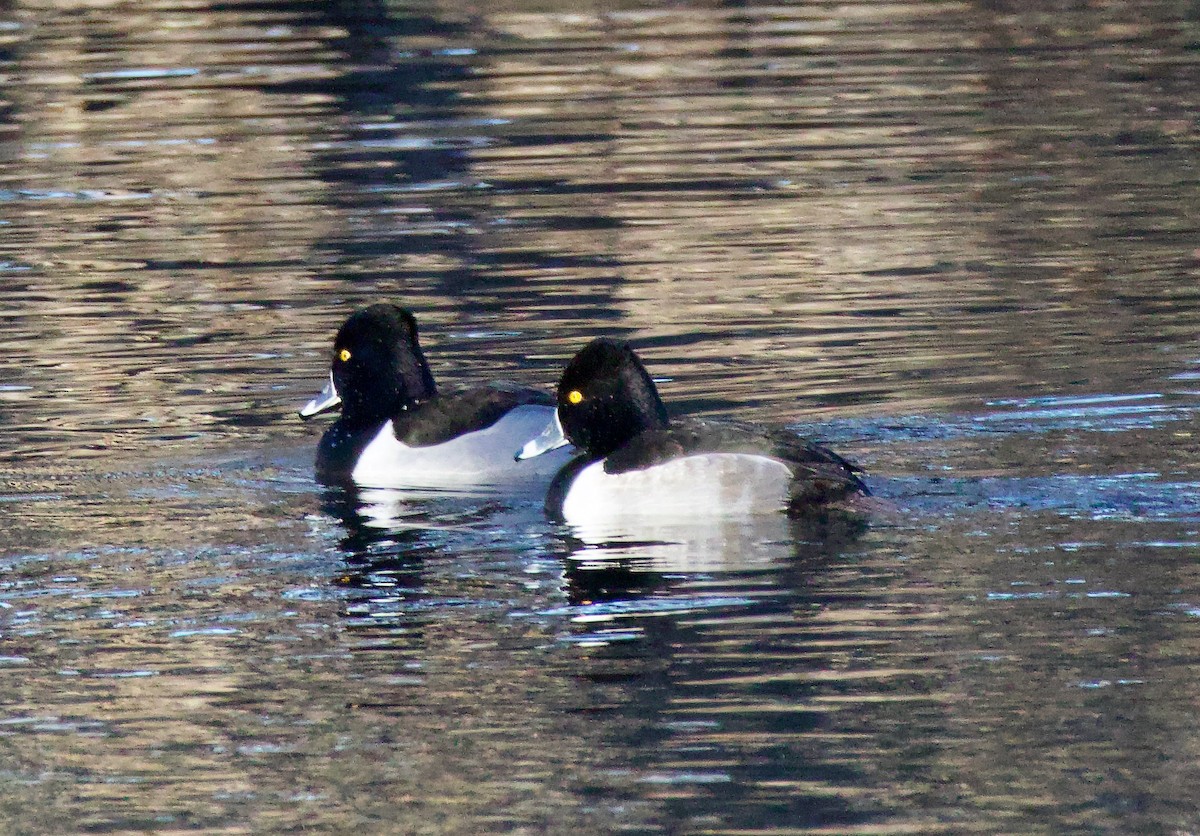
x: 606, y: 397
x: 378, y: 367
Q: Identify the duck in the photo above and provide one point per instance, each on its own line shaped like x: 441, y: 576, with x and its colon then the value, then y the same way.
x: 634, y: 461
x: 397, y: 430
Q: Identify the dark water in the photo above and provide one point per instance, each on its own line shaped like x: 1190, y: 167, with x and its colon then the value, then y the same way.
x: 955, y: 240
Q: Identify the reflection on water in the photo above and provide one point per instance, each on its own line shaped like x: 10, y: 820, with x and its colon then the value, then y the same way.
x: 701, y: 545
x: 955, y: 241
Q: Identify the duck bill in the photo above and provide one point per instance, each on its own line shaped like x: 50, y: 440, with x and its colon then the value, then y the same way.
x: 549, y: 439
x: 327, y: 399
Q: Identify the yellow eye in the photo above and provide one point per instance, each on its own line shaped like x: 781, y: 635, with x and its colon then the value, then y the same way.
x: 574, y: 396
x: 344, y: 355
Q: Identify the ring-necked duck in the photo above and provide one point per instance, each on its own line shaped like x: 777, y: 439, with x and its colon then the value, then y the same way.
x: 635, y: 462
x: 397, y: 430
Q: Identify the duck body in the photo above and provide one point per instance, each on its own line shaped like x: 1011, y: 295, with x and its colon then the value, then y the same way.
x: 637, y: 463
x: 397, y: 430
x: 703, y: 468
x: 452, y: 442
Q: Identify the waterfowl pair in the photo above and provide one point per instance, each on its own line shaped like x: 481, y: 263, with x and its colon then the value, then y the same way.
x: 397, y: 430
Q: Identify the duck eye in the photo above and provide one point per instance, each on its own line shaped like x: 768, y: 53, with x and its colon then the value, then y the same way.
x: 574, y: 396
x: 344, y: 355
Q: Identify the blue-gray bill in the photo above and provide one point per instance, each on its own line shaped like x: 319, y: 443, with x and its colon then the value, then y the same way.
x: 548, y: 439
x: 327, y: 399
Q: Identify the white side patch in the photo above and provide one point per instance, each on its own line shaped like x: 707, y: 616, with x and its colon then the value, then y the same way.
x: 479, y: 459
x: 709, y: 484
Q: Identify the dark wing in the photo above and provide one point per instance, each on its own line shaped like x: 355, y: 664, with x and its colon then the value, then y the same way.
x: 821, y: 475
x: 444, y: 417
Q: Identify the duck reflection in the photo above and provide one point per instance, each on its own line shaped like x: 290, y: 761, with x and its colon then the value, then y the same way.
x: 382, y: 520
x: 387, y: 529
x: 611, y: 563
x: 403, y: 549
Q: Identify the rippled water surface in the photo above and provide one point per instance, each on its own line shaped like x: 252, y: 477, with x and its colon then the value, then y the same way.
x: 956, y: 241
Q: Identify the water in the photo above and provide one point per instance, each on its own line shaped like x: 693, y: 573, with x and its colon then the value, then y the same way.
x: 956, y: 241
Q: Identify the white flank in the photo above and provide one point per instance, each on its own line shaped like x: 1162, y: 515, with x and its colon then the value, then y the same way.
x: 705, y: 485
x: 477, y: 460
